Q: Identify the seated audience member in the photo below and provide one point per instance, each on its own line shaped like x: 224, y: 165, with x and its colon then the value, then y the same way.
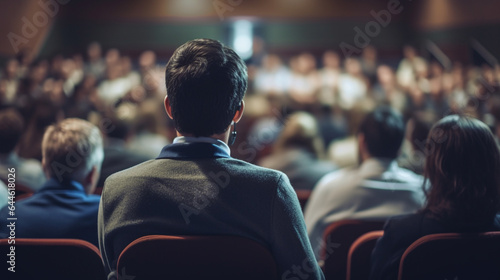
x: 375, y: 190
x: 64, y: 207
x: 413, y: 151
x: 150, y: 130
x: 297, y: 152
x: 206, y: 82
x: 29, y: 172
x: 117, y: 156
x: 45, y: 113
x: 463, y: 197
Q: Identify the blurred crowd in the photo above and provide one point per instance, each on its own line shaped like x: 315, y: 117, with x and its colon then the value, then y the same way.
x: 124, y: 97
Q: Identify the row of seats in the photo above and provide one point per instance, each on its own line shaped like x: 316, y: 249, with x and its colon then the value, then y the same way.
x: 436, y: 256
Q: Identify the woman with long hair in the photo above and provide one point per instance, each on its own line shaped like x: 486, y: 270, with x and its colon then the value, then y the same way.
x: 462, y: 171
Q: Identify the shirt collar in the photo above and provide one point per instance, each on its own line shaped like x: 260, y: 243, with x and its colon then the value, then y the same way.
x: 195, y: 147
x: 217, y: 142
x: 66, y: 184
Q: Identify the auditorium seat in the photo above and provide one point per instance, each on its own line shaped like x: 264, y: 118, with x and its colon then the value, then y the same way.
x: 358, y: 260
x: 195, y: 257
x: 338, y: 238
x: 54, y: 259
x: 452, y: 256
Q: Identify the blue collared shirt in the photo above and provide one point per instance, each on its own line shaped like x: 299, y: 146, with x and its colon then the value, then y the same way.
x: 217, y: 142
x: 184, y: 147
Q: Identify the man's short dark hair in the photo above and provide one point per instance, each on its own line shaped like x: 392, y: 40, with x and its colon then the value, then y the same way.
x: 206, y: 82
x: 11, y: 129
x: 384, y: 130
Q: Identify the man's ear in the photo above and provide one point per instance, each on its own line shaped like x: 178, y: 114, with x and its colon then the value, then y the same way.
x: 239, y: 112
x: 168, y: 109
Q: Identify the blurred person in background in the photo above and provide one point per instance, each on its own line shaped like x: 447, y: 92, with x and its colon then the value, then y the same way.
x: 272, y: 78
x: 117, y: 156
x: 64, y: 206
x: 414, y: 150
x: 408, y: 67
x: 463, y: 195
x: 9, y: 82
x: 29, y: 171
x: 45, y: 113
x: 95, y: 64
x: 298, y: 152
x: 304, y: 83
x: 375, y: 190
x: 369, y: 63
x: 329, y: 75
x: 353, y: 85
x: 149, y: 130
x: 387, y: 91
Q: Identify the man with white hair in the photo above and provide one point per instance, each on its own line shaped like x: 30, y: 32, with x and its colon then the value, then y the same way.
x: 64, y: 207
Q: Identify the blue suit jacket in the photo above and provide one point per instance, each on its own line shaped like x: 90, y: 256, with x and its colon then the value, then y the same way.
x: 57, y: 210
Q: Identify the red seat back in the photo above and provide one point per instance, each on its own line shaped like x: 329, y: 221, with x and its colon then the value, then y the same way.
x: 452, y: 256
x: 55, y: 259
x: 358, y: 260
x: 338, y: 238
x: 195, y: 257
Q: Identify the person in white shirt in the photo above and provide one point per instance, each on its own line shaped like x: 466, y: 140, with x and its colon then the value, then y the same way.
x: 353, y: 85
x: 375, y: 190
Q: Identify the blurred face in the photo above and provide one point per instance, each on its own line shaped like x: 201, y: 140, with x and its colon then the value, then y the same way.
x: 112, y: 56
x: 147, y: 59
x: 385, y: 74
x: 11, y: 68
x: 352, y: 66
x: 94, y: 51
x: 331, y: 60
x: 369, y: 53
x: 409, y: 52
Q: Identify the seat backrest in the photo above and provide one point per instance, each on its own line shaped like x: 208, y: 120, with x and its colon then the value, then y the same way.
x: 51, y: 259
x: 303, y: 196
x: 196, y: 257
x: 338, y: 238
x: 358, y: 260
x: 452, y: 256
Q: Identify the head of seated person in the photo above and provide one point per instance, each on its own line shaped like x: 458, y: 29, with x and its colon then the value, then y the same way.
x: 462, y: 167
x: 205, y: 82
x: 300, y: 132
x: 72, y: 151
x: 381, y: 134
x: 11, y: 129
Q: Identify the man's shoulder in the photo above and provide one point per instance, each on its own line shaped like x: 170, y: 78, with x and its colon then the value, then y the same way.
x: 237, y: 170
x: 337, y: 177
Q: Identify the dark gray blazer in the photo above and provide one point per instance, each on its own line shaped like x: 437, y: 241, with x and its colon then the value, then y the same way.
x: 198, y: 189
